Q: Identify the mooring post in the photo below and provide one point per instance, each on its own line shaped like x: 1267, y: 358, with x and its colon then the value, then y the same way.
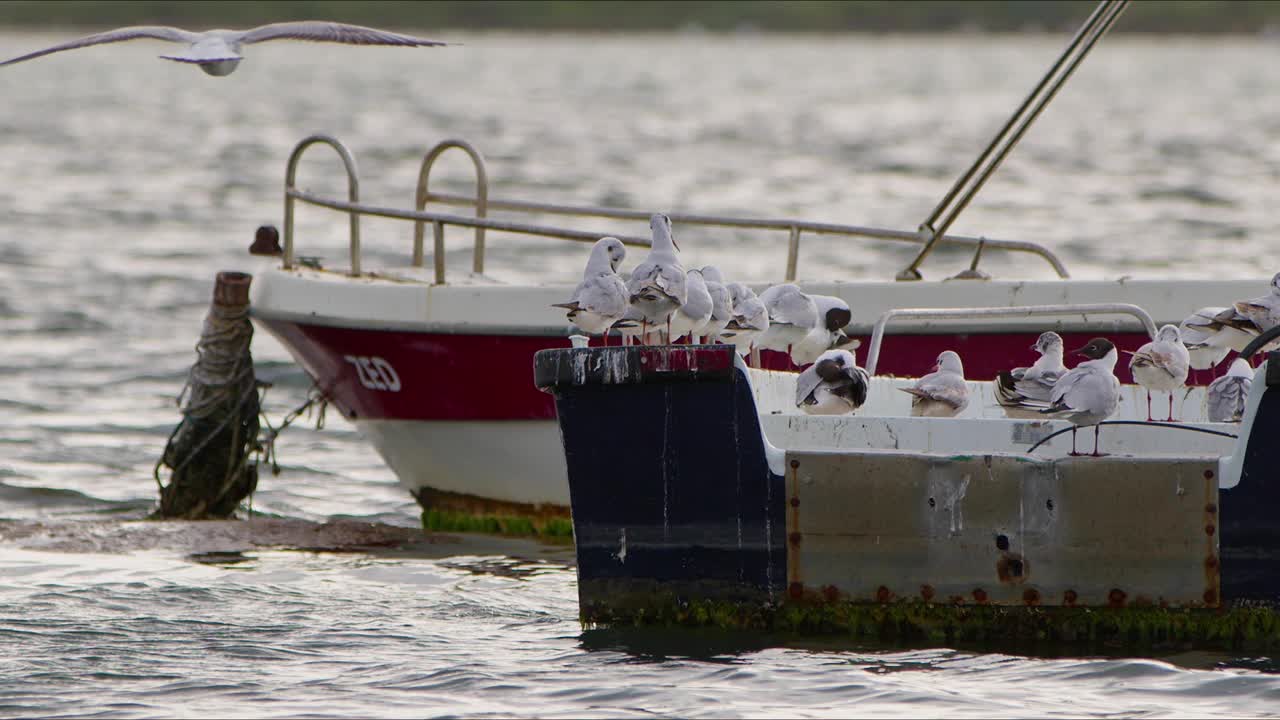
x: 208, y: 452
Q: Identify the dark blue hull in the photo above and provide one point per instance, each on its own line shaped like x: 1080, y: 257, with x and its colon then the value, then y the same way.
x: 671, y: 490
x: 678, y: 514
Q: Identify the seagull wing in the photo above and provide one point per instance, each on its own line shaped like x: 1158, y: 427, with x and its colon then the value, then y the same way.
x: 603, y: 294
x: 154, y: 32
x: 1227, y: 396
x: 1084, y: 390
x: 1039, y: 388
x: 806, y: 384
x: 318, y: 31
x: 794, y: 308
x: 942, y: 387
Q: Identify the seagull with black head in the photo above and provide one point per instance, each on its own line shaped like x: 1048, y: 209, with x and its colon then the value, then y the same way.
x: 834, y: 385
x: 1088, y: 393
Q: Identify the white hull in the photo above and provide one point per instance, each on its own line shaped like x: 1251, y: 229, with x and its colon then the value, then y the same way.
x: 517, y: 461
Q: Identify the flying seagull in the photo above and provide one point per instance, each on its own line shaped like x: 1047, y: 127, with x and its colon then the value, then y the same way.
x: 217, y: 52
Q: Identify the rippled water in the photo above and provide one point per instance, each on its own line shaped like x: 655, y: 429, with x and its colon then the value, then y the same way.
x: 128, y: 181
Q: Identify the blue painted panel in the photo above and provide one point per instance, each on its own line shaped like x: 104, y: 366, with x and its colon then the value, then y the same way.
x: 1250, y: 512
x: 676, y: 465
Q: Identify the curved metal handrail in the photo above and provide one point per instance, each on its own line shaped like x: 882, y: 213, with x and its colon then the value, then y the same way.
x: 877, y: 333
x: 791, y: 225
x: 291, y: 192
x: 465, y: 220
x: 1255, y: 345
x: 481, y: 201
x: 483, y: 204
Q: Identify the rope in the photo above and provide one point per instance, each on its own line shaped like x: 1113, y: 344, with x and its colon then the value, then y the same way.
x: 222, y: 402
x: 1175, y: 426
x: 267, y: 440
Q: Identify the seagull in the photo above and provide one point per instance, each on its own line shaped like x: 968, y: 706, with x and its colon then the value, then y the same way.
x: 1227, y: 394
x: 1208, y: 346
x: 721, y: 304
x: 834, y: 385
x: 1263, y: 312
x: 750, y: 318
x: 792, y: 314
x: 1024, y: 391
x: 217, y: 52
x: 1243, y: 321
x: 943, y: 392
x: 689, y: 318
x: 1088, y: 393
x: 828, y: 334
x: 1161, y: 365
x: 600, y: 299
x: 658, y: 285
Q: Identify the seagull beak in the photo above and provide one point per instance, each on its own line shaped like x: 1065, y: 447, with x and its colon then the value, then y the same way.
x: 936, y: 367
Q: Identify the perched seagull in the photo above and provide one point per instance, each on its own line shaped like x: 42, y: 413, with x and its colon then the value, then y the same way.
x: 834, y: 385
x: 1024, y: 391
x: 833, y: 315
x: 721, y: 304
x: 943, y: 392
x: 600, y: 299
x: 658, y: 285
x: 792, y: 314
x: 833, y: 312
x: 1227, y: 394
x: 1161, y: 365
x: 750, y: 318
x: 1263, y: 312
x: 689, y: 318
x: 217, y: 52
x: 1088, y: 393
x: 1244, y: 320
x: 1208, y: 346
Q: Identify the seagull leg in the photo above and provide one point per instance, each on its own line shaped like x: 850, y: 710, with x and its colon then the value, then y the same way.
x: 1096, y: 429
x: 1170, y: 406
x: 1148, y: 406
x: 1073, y: 441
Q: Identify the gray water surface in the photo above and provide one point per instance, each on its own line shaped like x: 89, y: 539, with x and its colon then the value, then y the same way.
x: 126, y: 182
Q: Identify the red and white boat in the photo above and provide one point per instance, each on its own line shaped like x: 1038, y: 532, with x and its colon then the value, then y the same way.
x: 435, y: 369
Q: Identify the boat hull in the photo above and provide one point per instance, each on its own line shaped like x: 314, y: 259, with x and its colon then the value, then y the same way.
x: 711, y: 524
x: 440, y: 379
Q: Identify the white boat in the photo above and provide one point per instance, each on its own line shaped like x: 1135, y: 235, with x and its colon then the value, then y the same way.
x: 389, y: 346
x: 435, y: 366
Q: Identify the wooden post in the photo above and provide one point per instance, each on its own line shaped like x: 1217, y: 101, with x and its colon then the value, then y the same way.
x: 208, y: 452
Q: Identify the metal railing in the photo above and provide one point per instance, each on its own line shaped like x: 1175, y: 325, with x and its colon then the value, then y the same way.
x: 877, y: 333
x: 483, y: 204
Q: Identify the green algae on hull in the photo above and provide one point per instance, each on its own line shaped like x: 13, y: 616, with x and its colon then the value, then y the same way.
x: 915, y: 622
x: 552, y: 528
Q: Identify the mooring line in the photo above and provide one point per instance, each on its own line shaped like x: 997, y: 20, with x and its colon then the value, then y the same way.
x: 1175, y: 426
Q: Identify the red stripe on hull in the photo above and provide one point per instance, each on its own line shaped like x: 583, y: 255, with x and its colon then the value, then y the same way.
x: 984, y: 355
x: 441, y: 376
x: 404, y: 375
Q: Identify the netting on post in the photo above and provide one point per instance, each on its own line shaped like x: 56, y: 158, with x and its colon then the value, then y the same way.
x: 209, y: 453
